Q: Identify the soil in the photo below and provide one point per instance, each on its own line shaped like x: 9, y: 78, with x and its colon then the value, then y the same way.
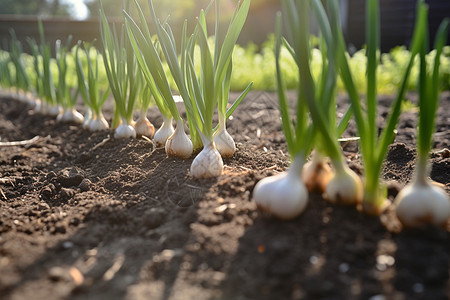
x: 84, y: 216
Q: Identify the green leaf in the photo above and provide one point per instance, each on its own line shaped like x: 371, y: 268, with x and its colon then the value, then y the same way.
x: 284, y: 108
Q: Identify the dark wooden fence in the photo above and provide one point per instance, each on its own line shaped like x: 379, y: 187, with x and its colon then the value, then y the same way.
x: 54, y: 28
x: 397, y: 21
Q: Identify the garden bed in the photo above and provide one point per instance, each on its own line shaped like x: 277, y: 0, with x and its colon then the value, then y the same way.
x: 88, y: 217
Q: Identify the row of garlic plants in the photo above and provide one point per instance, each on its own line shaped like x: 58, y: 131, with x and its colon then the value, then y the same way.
x: 286, y: 195
x: 261, y: 60
x: 140, y: 69
x: 141, y: 66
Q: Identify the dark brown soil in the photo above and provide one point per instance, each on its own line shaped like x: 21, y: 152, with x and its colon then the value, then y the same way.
x: 87, y: 218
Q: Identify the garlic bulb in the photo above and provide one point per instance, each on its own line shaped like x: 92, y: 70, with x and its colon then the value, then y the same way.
x: 284, y: 195
x: 87, y: 118
x: 143, y: 126
x: 54, y: 111
x: 316, y: 173
x: 124, y: 131
x: 208, y: 163
x: 98, y: 123
x: 179, y: 144
x: 38, y: 106
x: 223, y: 140
x: 421, y: 203
x: 345, y: 186
x: 44, y: 108
x: 60, y: 116
x: 164, y: 132
x: 71, y: 116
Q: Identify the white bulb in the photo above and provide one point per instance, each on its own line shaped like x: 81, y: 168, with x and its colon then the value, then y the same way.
x: 98, y: 123
x: 208, y: 163
x: 124, y: 131
x: 71, y: 116
x: 54, y: 111
x: 345, y: 186
x: 87, y: 118
x: 284, y: 195
x: 44, y: 108
x: 144, y: 127
x: 421, y: 203
x: 317, y: 174
x: 224, y: 143
x: 38, y: 107
x: 59, y: 117
x: 179, y: 144
x: 164, y: 132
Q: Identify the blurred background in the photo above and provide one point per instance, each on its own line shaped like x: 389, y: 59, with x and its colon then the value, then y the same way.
x: 80, y: 18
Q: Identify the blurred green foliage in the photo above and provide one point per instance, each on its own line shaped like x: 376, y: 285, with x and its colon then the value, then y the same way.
x: 35, y: 7
x: 257, y: 64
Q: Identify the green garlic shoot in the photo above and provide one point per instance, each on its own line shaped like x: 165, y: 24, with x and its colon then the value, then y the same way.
x: 176, y: 142
x: 374, y: 147
x: 64, y: 95
x: 90, y: 91
x: 123, y: 74
x: 143, y: 125
x: 6, y: 80
x: 285, y: 195
x: 422, y: 202
x: 344, y: 185
x: 21, y: 80
x: 49, y: 105
x: 201, y: 92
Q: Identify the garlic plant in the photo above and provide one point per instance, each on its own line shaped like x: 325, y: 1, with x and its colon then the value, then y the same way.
x: 178, y: 143
x: 422, y: 202
x: 344, y: 186
x: 37, y: 82
x: 284, y: 195
x: 89, y: 89
x: 21, y: 79
x: 6, y: 81
x: 224, y: 141
x: 64, y: 94
x: 200, y: 93
x: 123, y: 74
x: 49, y: 105
x: 143, y: 126
x: 374, y: 146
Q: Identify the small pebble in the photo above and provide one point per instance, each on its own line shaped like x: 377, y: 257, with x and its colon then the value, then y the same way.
x: 85, y: 185
x: 154, y: 217
x: 67, y: 181
x: 67, y: 245
x: 313, y: 259
x: 344, y: 267
x: 418, y: 288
